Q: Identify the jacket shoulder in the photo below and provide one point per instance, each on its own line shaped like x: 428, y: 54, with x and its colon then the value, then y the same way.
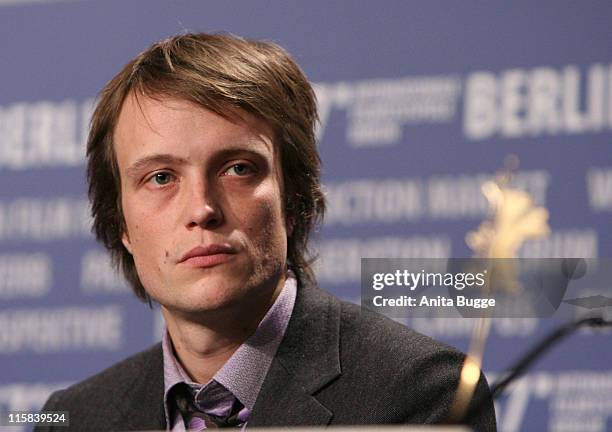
x: 410, y: 377
x: 366, y: 328
x: 94, y: 399
x: 115, y: 377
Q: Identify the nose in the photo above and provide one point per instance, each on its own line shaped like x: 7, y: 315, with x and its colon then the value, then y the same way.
x: 201, y: 207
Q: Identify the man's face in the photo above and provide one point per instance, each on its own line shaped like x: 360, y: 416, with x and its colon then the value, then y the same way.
x: 202, y: 201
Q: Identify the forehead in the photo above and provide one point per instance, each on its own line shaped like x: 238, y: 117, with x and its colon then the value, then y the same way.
x: 148, y: 123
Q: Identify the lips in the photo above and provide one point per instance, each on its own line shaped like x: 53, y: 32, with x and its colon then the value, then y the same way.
x: 208, y: 256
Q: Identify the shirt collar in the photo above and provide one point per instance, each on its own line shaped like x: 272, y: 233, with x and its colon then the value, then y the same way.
x: 243, y: 374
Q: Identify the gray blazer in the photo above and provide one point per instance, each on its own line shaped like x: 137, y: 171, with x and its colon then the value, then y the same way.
x: 337, y: 364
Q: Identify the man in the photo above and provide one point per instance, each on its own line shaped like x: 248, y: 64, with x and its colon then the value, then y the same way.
x: 204, y: 180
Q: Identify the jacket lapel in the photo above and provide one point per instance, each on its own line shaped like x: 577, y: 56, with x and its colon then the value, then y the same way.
x: 306, y: 360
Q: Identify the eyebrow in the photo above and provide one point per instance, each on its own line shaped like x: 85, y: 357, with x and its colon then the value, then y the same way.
x: 134, y: 169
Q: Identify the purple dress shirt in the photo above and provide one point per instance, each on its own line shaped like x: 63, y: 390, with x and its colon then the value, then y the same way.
x: 240, y: 377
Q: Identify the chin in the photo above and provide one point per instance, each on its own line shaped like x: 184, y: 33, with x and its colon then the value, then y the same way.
x: 211, y: 294
x: 217, y: 290
x: 197, y: 306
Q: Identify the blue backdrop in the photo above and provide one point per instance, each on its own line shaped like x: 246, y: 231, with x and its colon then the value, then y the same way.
x: 420, y: 102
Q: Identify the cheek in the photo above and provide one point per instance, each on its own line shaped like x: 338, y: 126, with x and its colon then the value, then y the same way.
x: 146, y: 237
x: 269, y: 229
x: 260, y: 210
x: 150, y: 253
x: 141, y: 220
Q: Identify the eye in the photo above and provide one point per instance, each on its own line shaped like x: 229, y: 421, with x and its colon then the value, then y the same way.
x: 161, y: 178
x: 239, y: 169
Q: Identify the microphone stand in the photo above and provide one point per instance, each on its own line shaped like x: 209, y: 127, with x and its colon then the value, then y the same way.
x: 523, y: 364
x: 541, y: 347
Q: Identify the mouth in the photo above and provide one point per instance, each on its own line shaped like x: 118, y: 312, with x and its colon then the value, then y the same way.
x: 208, y: 256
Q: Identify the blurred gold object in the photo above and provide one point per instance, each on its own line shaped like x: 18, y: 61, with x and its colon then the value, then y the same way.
x: 514, y: 218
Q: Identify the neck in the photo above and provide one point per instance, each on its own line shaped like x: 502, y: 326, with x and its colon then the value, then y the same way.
x: 205, y: 341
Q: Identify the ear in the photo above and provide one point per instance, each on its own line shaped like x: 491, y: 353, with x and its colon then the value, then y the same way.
x: 125, y: 239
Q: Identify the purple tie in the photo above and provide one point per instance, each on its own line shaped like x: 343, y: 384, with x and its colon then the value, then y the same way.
x: 197, y: 419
